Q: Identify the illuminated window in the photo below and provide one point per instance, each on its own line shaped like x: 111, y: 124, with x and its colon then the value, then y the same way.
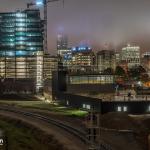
x: 84, y: 106
x: 20, y: 42
x: 20, y: 38
x: 119, y: 109
x: 124, y: 108
x: 20, y: 53
x: 10, y: 53
x: 20, y: 14
x: 88, y: 106
x: 20, y: 29
x: 20, y: 24
x: 149, y: 108
x: 67, y: 103
x: 20, y: 20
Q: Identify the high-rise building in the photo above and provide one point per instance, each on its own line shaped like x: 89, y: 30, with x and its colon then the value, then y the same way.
x: 106, y: 59
x: 146, y: 54
x: 83, y: 58
x: 62, y: 42
x: 64, y: 53
x: 145, y: 61
x: 117, y: 58
x: 21, y: 46
x: 131, y: 55
x: 50, y: 65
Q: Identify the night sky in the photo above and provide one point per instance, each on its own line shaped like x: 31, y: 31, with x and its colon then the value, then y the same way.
x: 95, y: 21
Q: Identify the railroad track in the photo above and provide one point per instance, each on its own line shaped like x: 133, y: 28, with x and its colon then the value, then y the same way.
x: 74, y: 131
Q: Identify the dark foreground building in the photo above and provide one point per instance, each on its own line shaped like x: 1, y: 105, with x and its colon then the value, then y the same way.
x: 67, y: 92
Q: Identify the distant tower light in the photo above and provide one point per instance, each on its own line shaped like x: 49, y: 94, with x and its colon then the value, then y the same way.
x: 39, y: 3
x: 73, y: 48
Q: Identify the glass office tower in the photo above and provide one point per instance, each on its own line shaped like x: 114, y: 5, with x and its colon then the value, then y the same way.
x: 21, y: 46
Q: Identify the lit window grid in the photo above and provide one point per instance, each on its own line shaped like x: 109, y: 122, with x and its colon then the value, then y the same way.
x: 39, y: 74
x: 97, y: 79
x: 17, y: 25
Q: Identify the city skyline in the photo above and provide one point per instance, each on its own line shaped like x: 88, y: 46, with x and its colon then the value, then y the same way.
x: 96, y: 23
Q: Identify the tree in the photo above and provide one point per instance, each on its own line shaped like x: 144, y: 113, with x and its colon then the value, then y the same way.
x: 137, y: 72
x: 145, y: 77
x: 108, y: 71
x: 120, y: 71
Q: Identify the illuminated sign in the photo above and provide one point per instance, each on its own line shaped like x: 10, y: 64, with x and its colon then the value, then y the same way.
x: 81, y: 48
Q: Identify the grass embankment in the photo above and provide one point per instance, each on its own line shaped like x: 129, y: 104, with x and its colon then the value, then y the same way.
x: 22, y: 136
x: 46, y: 106
x: 122, y: 121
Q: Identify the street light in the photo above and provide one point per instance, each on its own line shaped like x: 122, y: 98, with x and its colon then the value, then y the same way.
x: 44, y: 4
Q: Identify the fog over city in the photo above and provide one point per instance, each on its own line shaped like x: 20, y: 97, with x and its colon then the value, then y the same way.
x: 95, y: 22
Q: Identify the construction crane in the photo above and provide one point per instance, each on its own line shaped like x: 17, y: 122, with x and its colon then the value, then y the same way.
x: 44, y: 3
